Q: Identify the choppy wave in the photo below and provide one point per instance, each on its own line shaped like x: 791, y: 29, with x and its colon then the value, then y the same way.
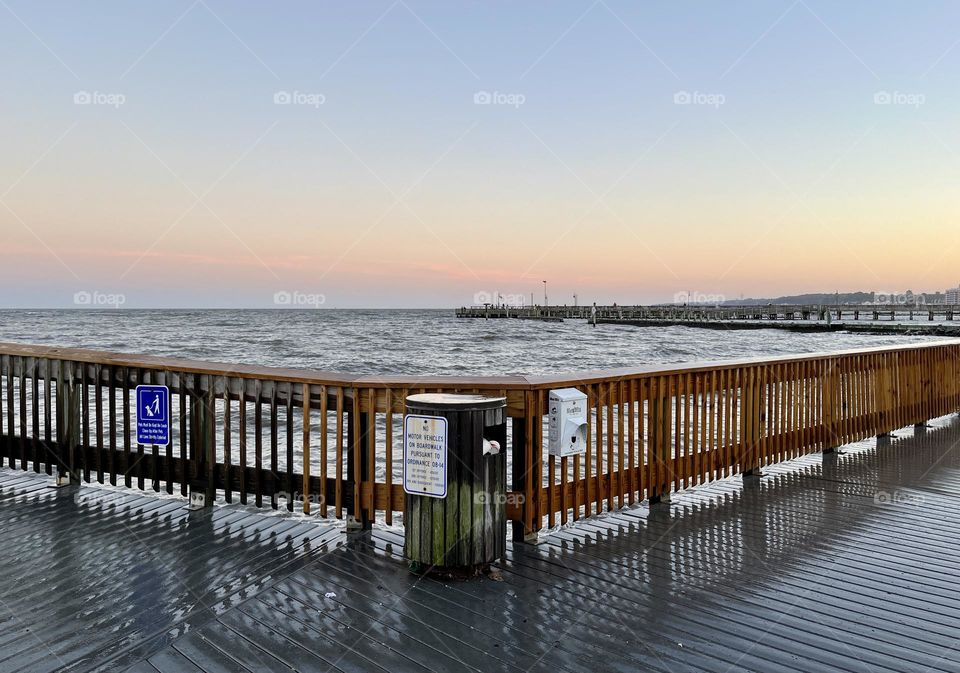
x: 406, y: 342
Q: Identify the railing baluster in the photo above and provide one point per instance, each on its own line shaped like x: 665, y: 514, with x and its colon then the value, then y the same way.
x: 323, y: 451
x: 388, y: 453
x: 157, y: 378
x: 621, y: 441
x: 539, y: 439
x: 112, y: 426
x: 242, y: 414
x: 24, y: 432
x: 11, y: 405
x: 274, y: 448
x: 140, y: 464
x: 289, y: 485
x: 588, y: 456
x: 227, y: 441
x: 370, y: 459
x: 48, y: 455
x: 354, y: 473
x: 631, y: 387
x: 127, y: 463
x: 687, y: 420
x: 258, y: 444
x: 35, y: 411
x: 186, y: 464
x: 339, y: 456
x: 306, y: 448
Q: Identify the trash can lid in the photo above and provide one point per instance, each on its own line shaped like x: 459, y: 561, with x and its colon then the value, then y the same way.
x: 456, y: 401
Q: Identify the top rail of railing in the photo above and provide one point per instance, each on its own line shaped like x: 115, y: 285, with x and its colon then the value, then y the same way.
x: 499, y: 382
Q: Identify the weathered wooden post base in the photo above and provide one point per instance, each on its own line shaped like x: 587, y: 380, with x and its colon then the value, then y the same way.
x: 355, y: 525
x: 752, y: 477
x: 660, y: 499
x: 64, y: 479
x: 459, y: 528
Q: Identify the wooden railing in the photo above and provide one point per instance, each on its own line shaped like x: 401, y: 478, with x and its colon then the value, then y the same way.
x: 330, y: 444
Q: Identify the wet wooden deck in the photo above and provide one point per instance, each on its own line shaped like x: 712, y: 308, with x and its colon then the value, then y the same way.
x: 829, y: 564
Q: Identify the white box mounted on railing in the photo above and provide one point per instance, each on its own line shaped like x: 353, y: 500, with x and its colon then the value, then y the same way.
x: 568, y: 422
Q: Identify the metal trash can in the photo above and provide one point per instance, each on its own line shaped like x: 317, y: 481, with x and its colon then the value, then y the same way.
x: 454, y: 476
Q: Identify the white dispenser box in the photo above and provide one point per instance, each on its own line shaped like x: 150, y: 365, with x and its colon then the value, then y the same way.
x: 568, y: 422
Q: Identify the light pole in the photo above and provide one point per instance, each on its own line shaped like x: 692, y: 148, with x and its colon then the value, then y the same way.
x: 545, y: 294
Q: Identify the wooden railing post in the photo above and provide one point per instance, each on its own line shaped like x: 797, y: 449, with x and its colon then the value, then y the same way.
x: 661, y: 435
x: 832, y: 406
x: 203, y: 456
x: 358, y: 427
x: 750, y: 419
x: 68, y: 425
x: 521, y: 456
x: 883, y: 394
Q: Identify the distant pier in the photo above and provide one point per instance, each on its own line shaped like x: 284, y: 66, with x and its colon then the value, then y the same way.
x: 933, y: 319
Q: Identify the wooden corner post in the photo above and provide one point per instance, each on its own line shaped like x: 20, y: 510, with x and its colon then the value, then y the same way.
x: 68, y: 424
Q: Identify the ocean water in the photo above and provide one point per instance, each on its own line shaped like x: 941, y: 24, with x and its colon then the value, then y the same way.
x: 407, y: 342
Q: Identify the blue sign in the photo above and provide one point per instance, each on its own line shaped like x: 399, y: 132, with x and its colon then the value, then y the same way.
x: 153, y: 415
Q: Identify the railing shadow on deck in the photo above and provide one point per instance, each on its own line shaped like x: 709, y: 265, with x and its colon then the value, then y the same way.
x: 139, y: 568
x: 734, y: 535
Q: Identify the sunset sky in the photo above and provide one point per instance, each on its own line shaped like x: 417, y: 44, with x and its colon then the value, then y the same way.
x: 415, y: 154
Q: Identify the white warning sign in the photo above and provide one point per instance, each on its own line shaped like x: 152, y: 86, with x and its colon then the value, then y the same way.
x: 425, y: 455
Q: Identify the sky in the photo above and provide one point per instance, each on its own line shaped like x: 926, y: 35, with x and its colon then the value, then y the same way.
x: 205, y: 153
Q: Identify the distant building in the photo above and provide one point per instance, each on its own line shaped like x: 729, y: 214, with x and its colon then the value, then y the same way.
x: 952, y: 296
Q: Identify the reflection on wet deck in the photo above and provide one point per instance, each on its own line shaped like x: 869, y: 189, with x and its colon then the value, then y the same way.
x: 842, y: 563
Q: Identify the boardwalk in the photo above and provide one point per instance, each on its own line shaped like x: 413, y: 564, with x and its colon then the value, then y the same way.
x: 724, y: 312
x: 933, y: 320
x: 836, y: 564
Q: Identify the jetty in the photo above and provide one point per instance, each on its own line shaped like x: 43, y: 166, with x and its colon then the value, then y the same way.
x: 790, y: 513
x: 923, y: 319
